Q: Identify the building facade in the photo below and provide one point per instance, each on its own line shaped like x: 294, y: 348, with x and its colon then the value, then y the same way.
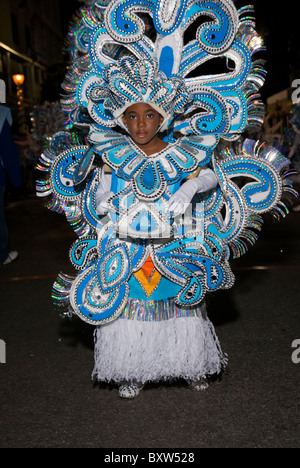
x: 32, y: 34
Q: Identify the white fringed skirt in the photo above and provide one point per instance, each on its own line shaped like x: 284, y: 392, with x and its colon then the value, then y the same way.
x: 156, y: 340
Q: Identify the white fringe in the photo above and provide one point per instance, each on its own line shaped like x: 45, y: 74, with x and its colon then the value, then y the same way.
x: 185, y: 348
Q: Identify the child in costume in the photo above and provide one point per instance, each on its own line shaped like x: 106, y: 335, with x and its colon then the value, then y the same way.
x: 155, y: 339
x: 159, y: 218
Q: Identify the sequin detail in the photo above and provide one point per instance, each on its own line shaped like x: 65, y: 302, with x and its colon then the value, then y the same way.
x: 157, y: 311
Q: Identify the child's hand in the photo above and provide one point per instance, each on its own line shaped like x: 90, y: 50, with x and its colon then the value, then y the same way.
x: 181, y: 199
x: 179, y: 202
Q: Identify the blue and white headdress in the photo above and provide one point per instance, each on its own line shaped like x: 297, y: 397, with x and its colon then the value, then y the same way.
x: 130, y: 81
x: 115, y: 63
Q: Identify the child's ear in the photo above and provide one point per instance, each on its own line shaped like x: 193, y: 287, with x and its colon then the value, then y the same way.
x: 124, y: 120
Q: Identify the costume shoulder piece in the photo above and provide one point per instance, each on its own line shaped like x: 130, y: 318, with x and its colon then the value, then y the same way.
x: 156, y: 51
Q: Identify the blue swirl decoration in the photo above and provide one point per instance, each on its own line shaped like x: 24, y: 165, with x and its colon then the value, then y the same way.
x: 216, y: 119
x: 83, y: 252
x: 261, y: 193
x: 100, y: 292
x: 91, y: 304
x: 216, y: 37
x: 121, y: 22
x: 168, y: 15
x: 62, y: 173
x: 196, y: 263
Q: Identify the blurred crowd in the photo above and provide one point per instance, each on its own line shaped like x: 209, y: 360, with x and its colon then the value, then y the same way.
x: 30, y: 137
x: 20, y: 150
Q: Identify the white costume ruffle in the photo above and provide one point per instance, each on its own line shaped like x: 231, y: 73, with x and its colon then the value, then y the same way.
x: 141, y: 350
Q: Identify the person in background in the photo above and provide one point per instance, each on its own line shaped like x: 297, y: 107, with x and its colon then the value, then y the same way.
x: 9, y: 172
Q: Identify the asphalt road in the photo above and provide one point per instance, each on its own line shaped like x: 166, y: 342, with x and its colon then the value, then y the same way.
x: 47, y: 397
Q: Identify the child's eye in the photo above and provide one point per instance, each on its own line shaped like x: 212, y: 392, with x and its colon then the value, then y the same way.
x: 150, y: 115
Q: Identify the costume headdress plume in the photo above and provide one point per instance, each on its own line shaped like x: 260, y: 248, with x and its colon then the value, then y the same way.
x: 159, y: 71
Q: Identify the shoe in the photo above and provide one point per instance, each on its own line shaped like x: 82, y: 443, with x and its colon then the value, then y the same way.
x: 130, y: 390
x: 198, y: 385
x: 12, y: 256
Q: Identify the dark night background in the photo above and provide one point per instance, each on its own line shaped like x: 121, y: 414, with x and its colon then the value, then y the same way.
x: 277, y: 22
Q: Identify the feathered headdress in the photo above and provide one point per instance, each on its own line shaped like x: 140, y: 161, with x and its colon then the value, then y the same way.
x: 130, y: 81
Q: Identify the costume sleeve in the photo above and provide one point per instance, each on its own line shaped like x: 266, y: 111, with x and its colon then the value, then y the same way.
x: 206, y: 180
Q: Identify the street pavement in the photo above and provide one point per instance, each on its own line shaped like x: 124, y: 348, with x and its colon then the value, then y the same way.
x: 47, y: 396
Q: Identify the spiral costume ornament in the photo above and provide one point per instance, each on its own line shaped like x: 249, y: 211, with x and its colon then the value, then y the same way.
x: 140, y: 261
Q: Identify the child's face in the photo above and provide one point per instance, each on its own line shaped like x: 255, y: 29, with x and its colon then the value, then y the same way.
x: 142, y: 122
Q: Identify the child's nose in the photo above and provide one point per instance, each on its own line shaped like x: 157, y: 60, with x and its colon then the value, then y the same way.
x: 141, y: 122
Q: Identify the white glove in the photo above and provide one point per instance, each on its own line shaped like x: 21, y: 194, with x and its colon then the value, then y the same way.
x: 181, y: 199
x: 103, y: 194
